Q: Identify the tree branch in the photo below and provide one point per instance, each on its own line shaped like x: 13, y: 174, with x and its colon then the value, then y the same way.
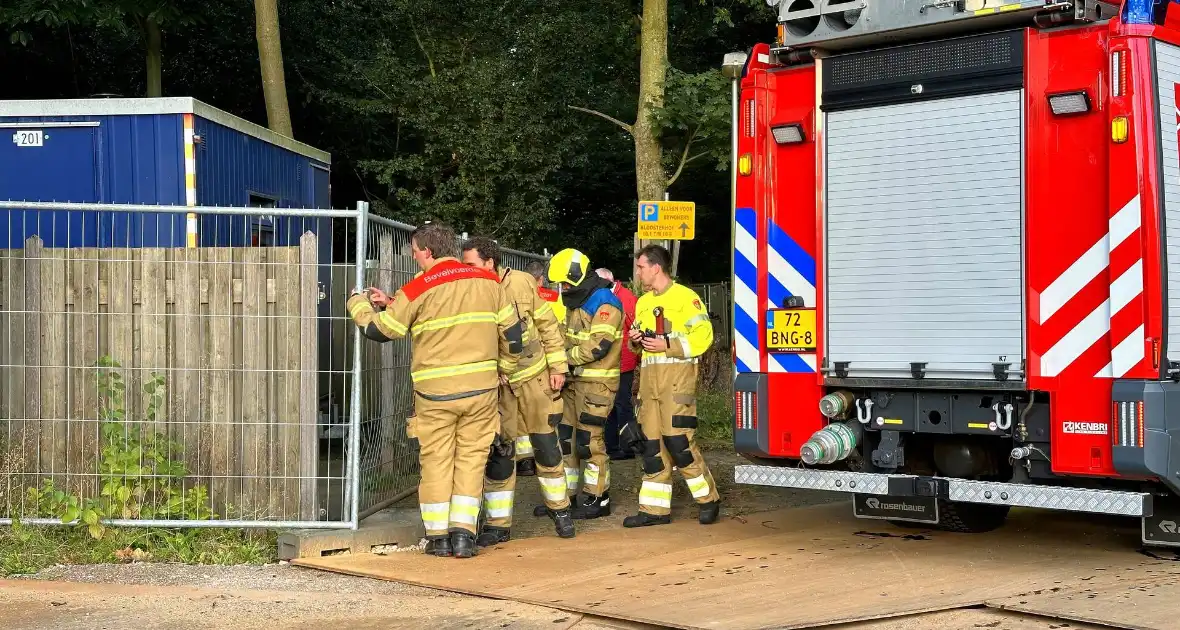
x: 592, y: 112
x: 429, y: 60
x: 684, y: 157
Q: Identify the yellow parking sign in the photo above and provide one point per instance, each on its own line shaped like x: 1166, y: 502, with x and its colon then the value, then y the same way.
x: 667, y: 220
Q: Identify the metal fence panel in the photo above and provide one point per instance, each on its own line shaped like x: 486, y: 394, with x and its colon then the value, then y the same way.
x: 147, y: 383
x: 389, y: 461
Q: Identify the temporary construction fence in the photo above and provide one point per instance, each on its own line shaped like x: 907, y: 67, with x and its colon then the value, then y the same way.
x: 147, y: 384
x: 389, y: 460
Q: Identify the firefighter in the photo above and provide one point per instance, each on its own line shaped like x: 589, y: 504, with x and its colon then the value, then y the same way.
x: 464, y: 332
x: 672, y: 329
x: 594, y: 341
x: 530, y: 403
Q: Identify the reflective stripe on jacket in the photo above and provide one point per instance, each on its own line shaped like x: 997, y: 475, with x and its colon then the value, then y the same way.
x: 686, y: 322
x: 594, y: 337
x: 543, y: 347
x: 464, y: 328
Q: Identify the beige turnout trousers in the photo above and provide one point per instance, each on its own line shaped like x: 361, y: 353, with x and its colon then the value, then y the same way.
x: 536, y: 409
x: 454, y: 438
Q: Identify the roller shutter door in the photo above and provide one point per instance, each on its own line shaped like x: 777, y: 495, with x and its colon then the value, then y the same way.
x: 924, y: 237
x: 1167, y: 58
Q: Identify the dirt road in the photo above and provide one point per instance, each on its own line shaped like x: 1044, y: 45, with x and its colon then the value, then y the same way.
x: 274, y: 598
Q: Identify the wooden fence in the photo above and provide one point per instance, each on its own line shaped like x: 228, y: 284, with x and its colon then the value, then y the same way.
x: 232, y: 331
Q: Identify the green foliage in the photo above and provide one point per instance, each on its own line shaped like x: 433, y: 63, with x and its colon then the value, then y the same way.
x: 456, y: 111
x: 141, y: 472
x: 121, y: 15
x: 26, y: 549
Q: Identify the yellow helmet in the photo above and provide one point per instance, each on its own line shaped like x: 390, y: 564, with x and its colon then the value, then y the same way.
x: 570, y: 266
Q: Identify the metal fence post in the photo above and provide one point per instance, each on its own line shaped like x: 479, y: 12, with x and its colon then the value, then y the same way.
x: 354, y: 430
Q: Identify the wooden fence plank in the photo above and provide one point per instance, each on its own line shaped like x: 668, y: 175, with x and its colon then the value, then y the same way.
x: 254, y: 355
x: 54, y: 373
x: 153, y: 350
x: 32, y: 291
x: 309, y: 358
x: 188, y: 351
x: 221, y: 392
x: 288, y: 359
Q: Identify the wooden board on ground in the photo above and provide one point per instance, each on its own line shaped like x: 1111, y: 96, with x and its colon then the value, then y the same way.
x: 792, y: 568
x: 1143, y: 599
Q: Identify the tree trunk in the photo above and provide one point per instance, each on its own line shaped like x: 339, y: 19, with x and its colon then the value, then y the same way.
x: 650, y: 179
x: 155, y: 55
x: 270, y: 57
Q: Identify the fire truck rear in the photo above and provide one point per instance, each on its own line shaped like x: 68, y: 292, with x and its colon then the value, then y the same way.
x: 956, y: 258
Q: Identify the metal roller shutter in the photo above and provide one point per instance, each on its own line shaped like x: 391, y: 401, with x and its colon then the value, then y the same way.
x: 1167, y: 58
x: 924, y: 237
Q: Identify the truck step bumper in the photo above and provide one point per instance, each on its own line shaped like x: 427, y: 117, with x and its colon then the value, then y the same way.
x: 1119, y: 503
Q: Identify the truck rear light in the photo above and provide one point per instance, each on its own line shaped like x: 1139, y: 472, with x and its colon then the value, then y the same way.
x: 1128, y: 424
x: 751, y: 120
x: 745, y: 164
x: 1067, y: 103
x: 1119, y: 129
x: 1118, y: 73
x: 746, y: 410
x: 788, y: 134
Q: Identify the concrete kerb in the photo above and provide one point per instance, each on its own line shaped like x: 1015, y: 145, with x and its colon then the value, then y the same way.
x: 398, y: 527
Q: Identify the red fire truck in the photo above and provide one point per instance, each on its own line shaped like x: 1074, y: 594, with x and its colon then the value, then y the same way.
x: 956, y: 258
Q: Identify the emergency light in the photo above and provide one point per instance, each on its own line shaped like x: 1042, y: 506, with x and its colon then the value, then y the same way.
x: 1066, y: 103
x: 788, y: 134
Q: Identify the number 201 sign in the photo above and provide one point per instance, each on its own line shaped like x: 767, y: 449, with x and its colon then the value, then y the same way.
x: 28, y: 138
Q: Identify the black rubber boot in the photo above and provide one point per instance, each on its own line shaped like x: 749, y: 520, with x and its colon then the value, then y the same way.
x: 593, y: 507
x: 540, y: 510
x: 463, y: 544
x: 492, y: 536
x: 438, y: 546
x: 563, y: 522
x: 643, y: 519
x: 526, y: 468
x: 710, y: 512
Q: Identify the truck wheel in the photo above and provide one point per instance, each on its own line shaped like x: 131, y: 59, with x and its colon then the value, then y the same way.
x: 970, y: 518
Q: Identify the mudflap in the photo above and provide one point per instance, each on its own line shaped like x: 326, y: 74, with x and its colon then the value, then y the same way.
x: 1162, y: 528
x: 910, y: 509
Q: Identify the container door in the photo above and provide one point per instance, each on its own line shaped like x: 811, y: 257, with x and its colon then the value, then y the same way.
x: 48, y: 164
x: 924, y: 237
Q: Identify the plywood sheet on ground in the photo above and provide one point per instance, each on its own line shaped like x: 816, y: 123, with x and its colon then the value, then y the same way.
x: 1143, y: 598
x: 793, y: 568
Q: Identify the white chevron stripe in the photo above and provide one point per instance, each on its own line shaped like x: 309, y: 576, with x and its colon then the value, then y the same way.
x: 791, y: 280
x: 747, y: 352
x: 745, y: 243
x: 1124, y: 223
x: 1127, y: 354
x: 745, y: 297
x: 1126, y: 288
x: 1078, y: 275
x: 1090, y: 264
x: 1075, y: 342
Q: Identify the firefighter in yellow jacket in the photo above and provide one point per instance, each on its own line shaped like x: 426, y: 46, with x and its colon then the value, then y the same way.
x: 672, y: 329
x: 530, y: 403
x: 594, y: 343
x: 465, y: 335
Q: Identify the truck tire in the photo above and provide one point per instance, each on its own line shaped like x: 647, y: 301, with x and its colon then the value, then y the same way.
x: 964, y: 518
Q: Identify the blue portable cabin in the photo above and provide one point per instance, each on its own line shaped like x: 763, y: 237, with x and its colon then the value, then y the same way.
x: 133, y: 151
